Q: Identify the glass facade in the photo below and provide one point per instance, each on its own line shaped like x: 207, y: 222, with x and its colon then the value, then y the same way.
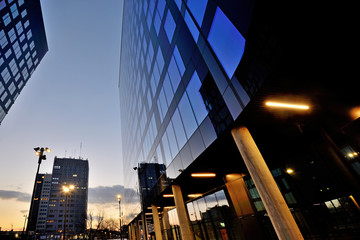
x: 191, y: 71
x: 22, y: 46
x: 162, y: 69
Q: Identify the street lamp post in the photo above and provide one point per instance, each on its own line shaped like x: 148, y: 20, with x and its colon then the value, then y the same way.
x: 38, y: 152
x: 119, y: 199
x: 66, y: 191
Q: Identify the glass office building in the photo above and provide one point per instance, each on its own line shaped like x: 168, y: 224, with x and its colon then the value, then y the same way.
x: 23, y: 44
x: 192, y: 71
x: 68, y: 172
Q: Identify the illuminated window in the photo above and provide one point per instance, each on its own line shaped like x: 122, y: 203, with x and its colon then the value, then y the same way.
x: 227, y: 42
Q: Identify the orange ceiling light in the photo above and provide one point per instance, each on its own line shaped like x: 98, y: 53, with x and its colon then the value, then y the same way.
x: 203, y: 175
x: 287, y: 105
x: 168, y: 195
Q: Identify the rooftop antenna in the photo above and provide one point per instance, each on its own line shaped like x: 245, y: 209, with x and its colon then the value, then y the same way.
x: 65, y: 153
x: 80, y: 150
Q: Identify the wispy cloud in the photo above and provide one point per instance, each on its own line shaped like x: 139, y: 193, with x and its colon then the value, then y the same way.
x: 18, y: 196
x: 107, y: 194
x: 100, y: 194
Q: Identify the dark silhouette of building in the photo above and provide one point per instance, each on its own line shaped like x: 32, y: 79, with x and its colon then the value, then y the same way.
x: 23, y: 44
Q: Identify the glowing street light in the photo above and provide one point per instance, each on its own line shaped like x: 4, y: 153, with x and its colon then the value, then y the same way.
x: 66, y: 190
x: 119, y: 200
x: 38, y: 152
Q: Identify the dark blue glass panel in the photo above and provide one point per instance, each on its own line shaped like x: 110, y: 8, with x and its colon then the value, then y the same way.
x: 178, y: 4
x: 197, y: 8
x: 161, y: 7
x: 160, y: 60
x: 227, y: 42
x: 196, y: 100
x: 179, y: 61
x: 179, y: 129
x: 168, y: 89
x: 187, y: 116
x: 169, y: 26
x: 191, y: 25
x: 174, y: 74
x: 157, y: 23
x: 172, y: 140
x: 166, y: 148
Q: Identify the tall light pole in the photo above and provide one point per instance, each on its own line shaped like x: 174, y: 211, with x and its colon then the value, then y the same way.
x: 38, y: 152
x: 119, y: 200
x: 66, y: 191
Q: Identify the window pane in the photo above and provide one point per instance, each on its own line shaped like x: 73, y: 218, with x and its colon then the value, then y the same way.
x: 172, y: 140
x: 187, y: 116
x: 179, y: 129
x: 227, y: 42
x: 169, y: 26
x: 179, y: 61
x: 196, y: 99
x: 174, y: 74
x: 168, y: 89
x: 197, y: 8
x: 192, y: 27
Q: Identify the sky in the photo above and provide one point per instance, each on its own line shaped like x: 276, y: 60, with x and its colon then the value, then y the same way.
x: 71, y: 105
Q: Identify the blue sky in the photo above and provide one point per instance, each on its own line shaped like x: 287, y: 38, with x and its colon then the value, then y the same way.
x: 71, y: 99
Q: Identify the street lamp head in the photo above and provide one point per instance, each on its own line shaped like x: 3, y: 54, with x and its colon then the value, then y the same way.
x: 36, y: 149
x: 47, y: 149
x: 66, y: 189
x: 72, y: 187
x: 119, y: 197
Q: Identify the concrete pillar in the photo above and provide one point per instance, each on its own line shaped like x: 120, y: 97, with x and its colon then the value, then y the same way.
x: 166, y: 223
x: 185, y: 228
x: 143, y: 218
x: 275, y: 205
x: 138, y: 230
x: 133, y: 234
x: 157, y: 226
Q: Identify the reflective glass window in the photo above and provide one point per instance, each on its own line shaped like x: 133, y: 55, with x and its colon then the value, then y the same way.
x: 160, y: 60
x: 196, y: 99
x: 227, y: 42
x: 197, y: 8
x: 163, y: 104
x: 187, y: 116
x: 179, y: 129
x: 21, y: 2
x: 167, y: 154
x: 174, y: 74
x: 29, y: 34
x: 26, y: 24
x: 161, y: 7
x: 168, y: 89
x: 23, y: 13
x: 2, y: 4
x: 172, y: 140
x: 19, y: 28
x: 178, y: 4
x: 191, y: 25
x: 5, y: 75
x: 148, y: 21
x: 169, y: 26
x: 6, y: 18
x: 3, y: 39
x: 179, y: 61
x: 14, y: 11
x: 157, y: 23
x: 12, y: 35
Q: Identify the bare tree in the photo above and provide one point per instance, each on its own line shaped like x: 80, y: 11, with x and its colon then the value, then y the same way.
x: 92, y: 219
